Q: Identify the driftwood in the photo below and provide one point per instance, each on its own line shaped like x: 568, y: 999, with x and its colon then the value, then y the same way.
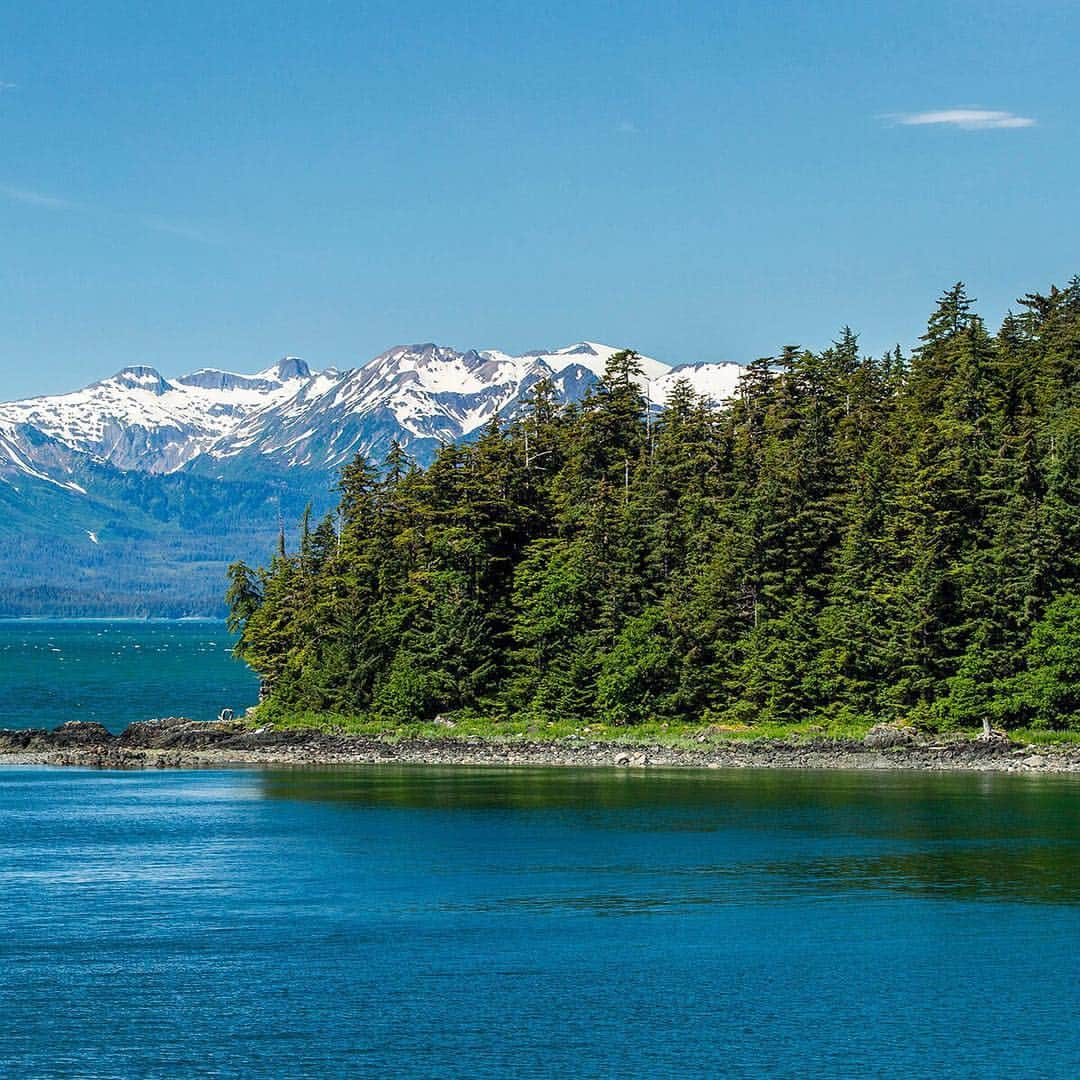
x: 990, y: 734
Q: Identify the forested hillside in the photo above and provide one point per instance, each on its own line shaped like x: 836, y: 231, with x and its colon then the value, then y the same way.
x: 131, y: 544
x: 848, y: 538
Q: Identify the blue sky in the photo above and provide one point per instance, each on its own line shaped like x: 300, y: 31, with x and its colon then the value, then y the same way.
x: 207, y: 184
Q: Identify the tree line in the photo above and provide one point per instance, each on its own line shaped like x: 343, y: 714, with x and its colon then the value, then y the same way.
x: 847, y: 539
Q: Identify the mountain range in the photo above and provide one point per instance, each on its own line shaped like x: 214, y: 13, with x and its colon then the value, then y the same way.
x: 131, y: 495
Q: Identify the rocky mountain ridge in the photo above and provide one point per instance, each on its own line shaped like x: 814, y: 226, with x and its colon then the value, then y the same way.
x: 227, y: 425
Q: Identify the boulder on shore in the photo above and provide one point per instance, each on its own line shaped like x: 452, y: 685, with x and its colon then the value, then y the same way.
x: 886, y: 736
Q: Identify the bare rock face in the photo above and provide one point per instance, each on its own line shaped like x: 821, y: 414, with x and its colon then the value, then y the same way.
x: 175, y: 732
x: 13, y: 741
x: 148, y: 734
x: 78, y: 733
x: 886, y: 736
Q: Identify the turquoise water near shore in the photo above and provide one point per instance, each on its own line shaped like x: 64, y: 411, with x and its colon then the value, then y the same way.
x: 395, y: 921
x: 113, y: 672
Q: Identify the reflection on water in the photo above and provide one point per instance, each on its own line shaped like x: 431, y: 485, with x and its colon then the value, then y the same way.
x: 403, y: 921
x: 948, y: 835
x: 912, y: 795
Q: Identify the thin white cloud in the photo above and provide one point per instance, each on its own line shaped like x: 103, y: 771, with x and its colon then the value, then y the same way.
x: 33, y: 198
x: 627, y: 127
x: 43, y: 201
x: 964, y: 119
x: 8, y: 86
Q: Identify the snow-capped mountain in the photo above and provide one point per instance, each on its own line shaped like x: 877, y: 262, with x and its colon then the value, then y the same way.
x: 714, y: 381
x: 287, y: 417
x: 421, y: 395
x: 137, y: 419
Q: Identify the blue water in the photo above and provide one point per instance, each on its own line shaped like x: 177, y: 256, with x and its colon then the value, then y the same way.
x: 116, y: 672
x: 398, y: 922
x: 538, y: 923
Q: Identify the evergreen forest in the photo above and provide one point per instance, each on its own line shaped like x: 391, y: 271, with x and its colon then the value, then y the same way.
x: 848, y: 540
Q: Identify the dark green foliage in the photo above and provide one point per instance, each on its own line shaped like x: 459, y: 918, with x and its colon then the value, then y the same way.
x: 1046, y: 690
x: 244, y: 596
x: 847, y: 538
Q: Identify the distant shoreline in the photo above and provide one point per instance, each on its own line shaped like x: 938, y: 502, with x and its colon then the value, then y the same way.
x: 134, y: 619
x: 177, y: 743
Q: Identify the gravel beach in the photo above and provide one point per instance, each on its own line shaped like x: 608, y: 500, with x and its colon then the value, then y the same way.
x: 185, y: 744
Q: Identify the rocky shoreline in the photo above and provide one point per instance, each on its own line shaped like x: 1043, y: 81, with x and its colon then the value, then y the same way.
x: 177, y: 743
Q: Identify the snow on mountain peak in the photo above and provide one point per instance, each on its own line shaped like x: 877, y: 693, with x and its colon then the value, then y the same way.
x: 139, y: 420
x: 590, y: 355
x: 291, y: 370
x: 140, y: 378
x: 287, y: 416
x: 287, y: 369
x: 715, y: 381
x: 421, y: 395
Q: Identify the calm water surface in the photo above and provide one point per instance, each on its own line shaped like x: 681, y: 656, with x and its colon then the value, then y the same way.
x: 398, y: 922
x: 492, y: 923
x: 116, y: 672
